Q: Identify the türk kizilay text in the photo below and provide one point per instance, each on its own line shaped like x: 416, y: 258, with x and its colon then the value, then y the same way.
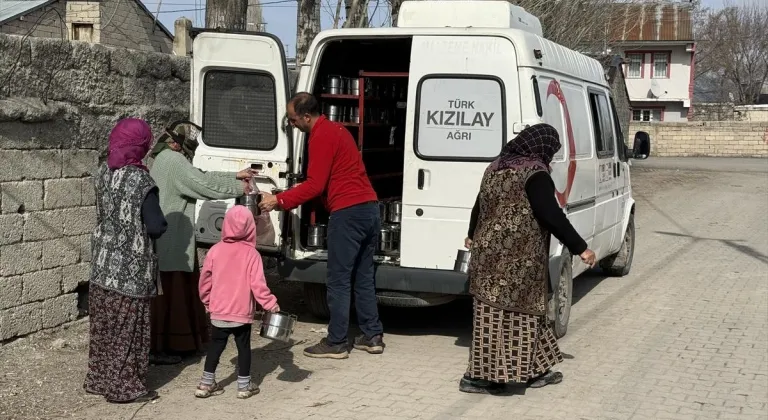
x: 460, y: 116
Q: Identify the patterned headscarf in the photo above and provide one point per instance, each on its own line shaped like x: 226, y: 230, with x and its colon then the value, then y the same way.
x: 129, y: 143
x: 183, y: 133
x: 534, y: 147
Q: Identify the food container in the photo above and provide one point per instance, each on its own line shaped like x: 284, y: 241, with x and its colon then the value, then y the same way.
x: 387, y: 242
x: 354, y: 115
x: 395, y: 211
x: 251, y: 201
x: 316, y: 236
x: 277, y: 326
x: 353, y: 86
x: 334, y: 85
x: 332, y: 112
x: 462, y: 261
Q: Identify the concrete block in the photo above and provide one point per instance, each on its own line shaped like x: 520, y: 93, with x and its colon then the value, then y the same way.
x: 38, y: 135
x: 79, y: 163
x: 20, y: 197
x: 10, y: 169
x: 73, y: 276
x: 21, y: 320
x: 88, y: 192
x: 138, y: 91
x: 11, y: 292
x: 94, y: 130
x: 11, y: 228
x: 63, y: 193
x: 84, y: 241
x: 20, y: 258
x: 79, y: 221
x: 37, y: 164
x: 59, y: 310
x: 135, y: 64
x: 41, y: 225
x: 41, y: 285
x: 61, y: 252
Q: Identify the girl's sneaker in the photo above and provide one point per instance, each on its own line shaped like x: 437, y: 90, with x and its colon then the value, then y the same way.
x: 247, y: 392
x: 205, y: 391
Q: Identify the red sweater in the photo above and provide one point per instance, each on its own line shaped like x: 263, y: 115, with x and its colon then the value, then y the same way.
x: 335, y: 166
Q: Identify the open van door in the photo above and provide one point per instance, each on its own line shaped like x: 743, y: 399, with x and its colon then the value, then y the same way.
x: 464, y: 93
x: 240, y: 88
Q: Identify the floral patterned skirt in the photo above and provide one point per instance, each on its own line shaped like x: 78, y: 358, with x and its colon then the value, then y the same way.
x: 118, y: 357
x: 510, y: 346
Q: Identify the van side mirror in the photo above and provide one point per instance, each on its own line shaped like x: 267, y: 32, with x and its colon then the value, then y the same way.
x: 641, y: 148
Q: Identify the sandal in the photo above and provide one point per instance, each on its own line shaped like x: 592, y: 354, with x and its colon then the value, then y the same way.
x: 205, y: 391
x: 248, y: 392
x: 549, y: 378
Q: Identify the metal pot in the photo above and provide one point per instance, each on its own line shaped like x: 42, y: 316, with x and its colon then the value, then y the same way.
x: 316, y: 236
x: 354, y: 115
x: 353, y: 86
x: 277, y: 326
x: 395, y: 211
x: 251, y: 201
x: 382, y: 211
x: 462, y: 261
x: 334, y: 85
x: 332, y: 112
x: 386, y: 240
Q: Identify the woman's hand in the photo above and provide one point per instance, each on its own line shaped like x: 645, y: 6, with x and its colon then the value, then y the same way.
x: 275, y: 309
x: 247, y: 173
x: 588, y: 257
x: 467, y: 243
x: 247, y: 187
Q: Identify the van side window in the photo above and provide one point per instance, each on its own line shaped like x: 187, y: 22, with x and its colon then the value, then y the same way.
x: 239, y: 110
x: 537, y: 97
x: 459, y: 118
x: 620, y: 141
x: 602, y: 121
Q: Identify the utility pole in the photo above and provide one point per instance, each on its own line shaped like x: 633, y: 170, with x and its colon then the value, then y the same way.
x: 226, y: 14
x: 254, y: 19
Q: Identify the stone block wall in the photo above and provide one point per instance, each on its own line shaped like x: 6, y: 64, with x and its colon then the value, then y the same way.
x: 715, y: 139
x: 58, y: 102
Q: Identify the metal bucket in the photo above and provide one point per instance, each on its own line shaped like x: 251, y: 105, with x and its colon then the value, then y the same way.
x: 386, y: 240
x: 395, y: 211
x: 354, y: 115
x: 334, y: 85
x: 316, y: 236
x: 332, y: 112
x: 251, y: 201
x: 353, y: 86
x: 277, y: 326
x: 462, y: 261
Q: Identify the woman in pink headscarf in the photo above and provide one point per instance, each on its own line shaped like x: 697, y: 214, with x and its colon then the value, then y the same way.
x: 123, y: 268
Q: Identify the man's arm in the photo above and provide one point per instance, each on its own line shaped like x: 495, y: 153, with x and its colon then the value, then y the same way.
x: 318, y: 174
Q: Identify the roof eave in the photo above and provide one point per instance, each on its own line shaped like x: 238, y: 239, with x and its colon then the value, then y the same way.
x: 28, y: 11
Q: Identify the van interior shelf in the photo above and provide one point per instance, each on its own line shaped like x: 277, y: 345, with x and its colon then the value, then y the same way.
x: 346, y: 96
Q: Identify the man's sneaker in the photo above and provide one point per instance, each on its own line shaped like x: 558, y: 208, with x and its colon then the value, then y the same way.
x: 247, y: 392
x: 325, y: 350
x: 373, y: 345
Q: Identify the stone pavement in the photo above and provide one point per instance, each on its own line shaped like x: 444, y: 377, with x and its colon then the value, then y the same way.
x: 684, y: 336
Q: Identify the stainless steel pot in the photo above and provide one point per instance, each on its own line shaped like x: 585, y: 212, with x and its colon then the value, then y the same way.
x: 316, y: 236
x: 277, y: 326
x: 462, y: 261
x: 332, y: 112
x: 354, y: 115
x: 353, y: 86
x: 386, y: 240
x: 334, y: 85
x: 395, y: 211
x: 251, y: 201
x: 383, y: 211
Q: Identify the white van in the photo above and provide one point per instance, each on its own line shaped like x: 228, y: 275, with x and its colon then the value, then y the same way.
x: 431, y: 103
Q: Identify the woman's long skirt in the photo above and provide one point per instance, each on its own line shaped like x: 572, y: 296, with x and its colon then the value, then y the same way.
x: 510, y: 347
x: 118, y: 357
x: 179, y: 322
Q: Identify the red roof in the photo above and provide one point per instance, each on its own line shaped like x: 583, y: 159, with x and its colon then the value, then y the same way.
x: 652, y: 22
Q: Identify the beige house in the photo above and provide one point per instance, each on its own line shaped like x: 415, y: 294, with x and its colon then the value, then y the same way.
x: 116, y: 23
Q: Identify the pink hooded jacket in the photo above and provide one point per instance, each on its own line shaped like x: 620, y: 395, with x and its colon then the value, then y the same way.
x: 233, y: 274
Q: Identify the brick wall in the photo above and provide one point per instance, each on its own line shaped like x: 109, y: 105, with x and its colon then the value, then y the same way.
x: 718, y: 139
x: 47, y: 22
x: 57, y: 105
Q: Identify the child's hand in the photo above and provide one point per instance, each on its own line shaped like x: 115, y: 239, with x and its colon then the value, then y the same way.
x: 275, y: 309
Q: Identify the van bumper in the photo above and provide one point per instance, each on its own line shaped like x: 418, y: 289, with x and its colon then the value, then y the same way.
x: 387, y: 277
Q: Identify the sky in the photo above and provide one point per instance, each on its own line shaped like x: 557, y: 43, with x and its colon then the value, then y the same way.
x: 280, y: 15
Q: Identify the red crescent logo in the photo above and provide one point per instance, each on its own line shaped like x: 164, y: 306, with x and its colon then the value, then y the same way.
x: 562, y: 197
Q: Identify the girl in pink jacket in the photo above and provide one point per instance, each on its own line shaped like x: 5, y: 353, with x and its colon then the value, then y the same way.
x: 231, y: 279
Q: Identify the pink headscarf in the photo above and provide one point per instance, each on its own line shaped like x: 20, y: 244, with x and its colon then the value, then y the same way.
x: 129, y: 143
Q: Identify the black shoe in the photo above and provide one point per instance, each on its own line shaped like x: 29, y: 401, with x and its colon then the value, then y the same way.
x: 479, y: 386
x: 325, y: 350
x: 147, y: 397
x: 373, y: 345
x: 549, y: 378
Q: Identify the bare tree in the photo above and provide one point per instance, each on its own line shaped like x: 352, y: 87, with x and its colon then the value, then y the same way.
x: 356, y: 13
x: 394, y: 10
x: 307, y: 26
x: 226, y: 14
x: 732, y: 54
x: 254, y: 17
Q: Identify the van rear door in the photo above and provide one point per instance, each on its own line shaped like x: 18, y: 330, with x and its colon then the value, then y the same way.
x: 239, y: 93
x: 463, y: 94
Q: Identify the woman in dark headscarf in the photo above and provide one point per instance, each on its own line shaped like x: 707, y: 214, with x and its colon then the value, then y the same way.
x: 509, y: 232
x: 123, y: 268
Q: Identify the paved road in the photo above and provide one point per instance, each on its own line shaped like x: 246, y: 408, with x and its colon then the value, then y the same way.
x: 684, y: 336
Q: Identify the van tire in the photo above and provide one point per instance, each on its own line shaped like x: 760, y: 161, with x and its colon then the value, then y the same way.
x: 619, y: 264
x: 562, y: 296
x: 316, y: 297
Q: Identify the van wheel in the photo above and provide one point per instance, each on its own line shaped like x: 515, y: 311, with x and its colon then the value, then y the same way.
x: 316, y: 296
x: 560, y: 303
x: 619, y: 264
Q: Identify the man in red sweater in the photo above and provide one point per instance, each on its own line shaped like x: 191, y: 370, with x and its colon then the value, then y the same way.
x: 337, y: 172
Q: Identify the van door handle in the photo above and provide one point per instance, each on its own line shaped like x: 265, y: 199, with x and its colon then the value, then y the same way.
x: 421, y: 179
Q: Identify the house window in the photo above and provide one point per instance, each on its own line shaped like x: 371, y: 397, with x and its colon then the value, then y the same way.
x: 82, y: 32
x: 661, y: 65
x: 635, y: 65
x: 647, y: 115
